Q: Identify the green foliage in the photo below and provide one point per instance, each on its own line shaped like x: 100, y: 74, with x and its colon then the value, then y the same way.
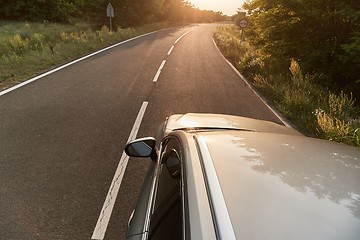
x: 128, y: 13
x: 322, y: 35
x: 37, y: 10
x: 296, y: 95
x: 351, y: 60
x: 238, y: 52
x: 139, y: 12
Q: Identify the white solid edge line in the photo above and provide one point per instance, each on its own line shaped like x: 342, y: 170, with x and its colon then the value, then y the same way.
x: 71, y: 63
x: 169, y: 52
x: 104, y: 217
x: 222, y: 218
x: 157, y: 75
x: 249, y: 85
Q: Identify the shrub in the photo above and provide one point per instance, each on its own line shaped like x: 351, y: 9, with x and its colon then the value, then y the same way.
x: 339, y: 121
x: 18, y: 44
x: 296, y: 95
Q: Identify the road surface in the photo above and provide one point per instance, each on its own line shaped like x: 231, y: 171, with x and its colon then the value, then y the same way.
x: 62, y: 136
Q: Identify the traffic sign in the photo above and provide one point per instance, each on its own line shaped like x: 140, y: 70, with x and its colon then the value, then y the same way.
x: 244, y: 23
x: 110, y: 10
x: 110, y: 14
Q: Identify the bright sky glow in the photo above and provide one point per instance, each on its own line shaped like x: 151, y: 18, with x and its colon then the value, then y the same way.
x: 227, y: 7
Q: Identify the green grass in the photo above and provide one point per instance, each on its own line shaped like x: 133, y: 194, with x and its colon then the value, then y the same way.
x: 312, y: 109
x: 28, y: 49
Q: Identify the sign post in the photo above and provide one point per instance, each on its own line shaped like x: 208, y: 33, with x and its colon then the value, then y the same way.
x: 110, y: 14
x: 243, y: 24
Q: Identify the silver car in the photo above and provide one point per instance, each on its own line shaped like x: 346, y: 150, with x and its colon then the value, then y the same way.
x: 227, y: 177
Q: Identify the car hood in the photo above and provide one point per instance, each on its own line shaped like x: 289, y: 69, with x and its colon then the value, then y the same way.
x: 280, y: 186
x: 196, y: 121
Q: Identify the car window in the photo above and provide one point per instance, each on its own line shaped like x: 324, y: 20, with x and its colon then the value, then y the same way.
x: 167, y: 218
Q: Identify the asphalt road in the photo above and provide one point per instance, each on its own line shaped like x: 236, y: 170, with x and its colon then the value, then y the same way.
x: 62, y: 136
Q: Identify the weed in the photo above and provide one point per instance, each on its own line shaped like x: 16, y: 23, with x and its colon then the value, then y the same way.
x: 340, y: 121
x: 333, y: 128
x: 341, y: 106
x: 18, y: 44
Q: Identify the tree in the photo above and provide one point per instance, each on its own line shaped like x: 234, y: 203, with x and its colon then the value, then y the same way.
x: 37, y: 10
x: 322, y: 35
x: 137, y: 12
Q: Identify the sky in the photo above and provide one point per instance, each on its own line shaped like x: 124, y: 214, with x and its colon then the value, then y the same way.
x: 227, y: 7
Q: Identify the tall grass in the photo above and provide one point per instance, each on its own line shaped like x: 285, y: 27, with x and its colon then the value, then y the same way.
x: 314, y: 110
x: 339, y: 121
x: 27, y: 49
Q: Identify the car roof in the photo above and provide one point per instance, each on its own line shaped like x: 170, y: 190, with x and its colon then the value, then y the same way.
x: 281, y: 186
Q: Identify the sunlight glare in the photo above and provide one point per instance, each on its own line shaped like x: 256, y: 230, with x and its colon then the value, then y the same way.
x: 227, y: 7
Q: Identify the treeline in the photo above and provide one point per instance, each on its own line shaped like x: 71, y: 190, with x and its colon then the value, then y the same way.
x: 128, y: 13
x: 322, y: 35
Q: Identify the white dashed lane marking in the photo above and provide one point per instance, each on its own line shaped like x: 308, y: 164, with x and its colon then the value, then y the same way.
x: 159, y: 71
x: 169, y: 52
x: 157, y: 75
x: 105, y: 214
x: 104, y: 217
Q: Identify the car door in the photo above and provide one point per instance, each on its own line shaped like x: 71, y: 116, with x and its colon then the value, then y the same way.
x: 159, y: 210
x: 166, y: 221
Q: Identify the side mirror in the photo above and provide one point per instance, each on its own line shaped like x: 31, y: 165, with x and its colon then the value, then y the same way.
x: 143, y: 147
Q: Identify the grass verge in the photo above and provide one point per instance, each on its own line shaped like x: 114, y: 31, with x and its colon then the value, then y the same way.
x: 315, y: 111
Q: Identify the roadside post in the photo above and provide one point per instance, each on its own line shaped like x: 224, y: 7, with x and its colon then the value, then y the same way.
x: 110, y: 14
